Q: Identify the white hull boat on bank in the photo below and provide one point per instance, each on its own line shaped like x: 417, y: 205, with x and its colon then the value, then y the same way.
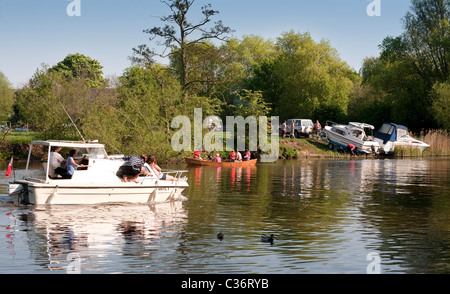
x: 340, y: 136
x: 391, y: 135
x: 96, y: 183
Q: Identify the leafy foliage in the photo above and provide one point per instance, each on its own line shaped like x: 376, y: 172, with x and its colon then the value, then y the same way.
x: 6, y: 98
x: 81, y: 67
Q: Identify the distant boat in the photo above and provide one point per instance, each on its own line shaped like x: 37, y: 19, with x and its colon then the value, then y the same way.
x: 200, y: 162
x: 391, y: 135
x: 340, y: 136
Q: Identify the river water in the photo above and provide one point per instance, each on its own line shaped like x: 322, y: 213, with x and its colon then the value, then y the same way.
x: 328, y: 216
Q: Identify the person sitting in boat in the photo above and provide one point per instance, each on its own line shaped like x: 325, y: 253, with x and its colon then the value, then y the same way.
x: 232, y: 156
x: 132, y: 168
x: 197, y: 155
x: 157, y: 170
x: 72, y: 165
x: 56, y: 160
x: 247, y: 156
x: 217, y: 158
x: 238, y: 156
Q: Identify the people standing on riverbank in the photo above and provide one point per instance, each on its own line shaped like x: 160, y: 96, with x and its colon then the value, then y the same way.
x: 283, y: 129
x: 292, y: 129
x: 317, y: 129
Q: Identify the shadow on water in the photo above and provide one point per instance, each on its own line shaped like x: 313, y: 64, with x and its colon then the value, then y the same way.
x: 327, y: 217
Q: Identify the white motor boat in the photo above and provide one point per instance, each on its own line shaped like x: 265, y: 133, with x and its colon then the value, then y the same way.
x: 340, y: 136
x: 97, y: 182
x: 391, y: 135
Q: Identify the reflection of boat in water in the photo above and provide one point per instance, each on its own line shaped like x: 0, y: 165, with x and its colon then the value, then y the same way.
x: 340, y: 136
x: 93, y: 232
x: 391, y: 135
x: 96, y: 183
x: 200, y: 162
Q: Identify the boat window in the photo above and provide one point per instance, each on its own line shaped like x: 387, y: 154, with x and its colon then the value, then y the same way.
x: 339, y: 131
x: 401, y: 133
x: 386, y: 129
x: 97, y: 153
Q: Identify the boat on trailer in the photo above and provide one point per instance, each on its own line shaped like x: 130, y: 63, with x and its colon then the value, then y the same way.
x: 340, y: 136
x: 96, y: 183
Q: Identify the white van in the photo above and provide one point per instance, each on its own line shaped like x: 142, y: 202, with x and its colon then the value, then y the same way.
x: 302, y: 127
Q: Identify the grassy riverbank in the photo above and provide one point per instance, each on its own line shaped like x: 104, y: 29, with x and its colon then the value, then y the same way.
x: 439, y: 141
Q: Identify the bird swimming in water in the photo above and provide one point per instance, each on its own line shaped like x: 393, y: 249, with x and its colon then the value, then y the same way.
x: 265, y: 238
x: 220, y: 236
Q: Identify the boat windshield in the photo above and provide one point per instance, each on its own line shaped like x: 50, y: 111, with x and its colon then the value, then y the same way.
x: 91, y: 152
x: 386, y: 129
x: 401, y: 133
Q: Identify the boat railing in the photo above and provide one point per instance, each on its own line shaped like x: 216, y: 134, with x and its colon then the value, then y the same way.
x: 178, y: 173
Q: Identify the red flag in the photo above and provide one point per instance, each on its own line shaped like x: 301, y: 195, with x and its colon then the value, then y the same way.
x: 9, y: 169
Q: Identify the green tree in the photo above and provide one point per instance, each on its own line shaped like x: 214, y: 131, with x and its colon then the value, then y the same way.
x: 312, y: 77
x: 427, y: 38
x: 43, y: 102
x: 441, y: 104
x: 411, y: 64
x: 82, y: 67
x: 251, y: 104
x: 6, y: 98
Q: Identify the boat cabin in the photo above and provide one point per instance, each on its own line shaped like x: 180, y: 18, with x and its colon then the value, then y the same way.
x: 391, y: 132
x: 88, y: 153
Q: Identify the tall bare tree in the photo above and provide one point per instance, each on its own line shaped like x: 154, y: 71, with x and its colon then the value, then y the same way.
x: 179, y: 34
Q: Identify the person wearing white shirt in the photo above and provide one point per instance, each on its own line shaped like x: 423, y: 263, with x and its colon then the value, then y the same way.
x: 56, y: 160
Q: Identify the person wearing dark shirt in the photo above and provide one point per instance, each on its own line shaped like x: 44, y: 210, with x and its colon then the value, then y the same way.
x: 132, y: 168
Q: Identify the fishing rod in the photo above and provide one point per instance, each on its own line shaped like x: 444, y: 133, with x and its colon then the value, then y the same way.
x: 73, y: 122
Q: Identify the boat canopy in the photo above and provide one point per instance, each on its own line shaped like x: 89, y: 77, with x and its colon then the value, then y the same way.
x: 74, y: 144
x: 391, y: 132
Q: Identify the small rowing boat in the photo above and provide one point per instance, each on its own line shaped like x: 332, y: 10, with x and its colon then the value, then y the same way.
x: 201, y: 162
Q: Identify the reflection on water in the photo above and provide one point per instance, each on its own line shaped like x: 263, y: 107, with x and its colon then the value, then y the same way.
x: 327, y: 217
x: 100, y: 235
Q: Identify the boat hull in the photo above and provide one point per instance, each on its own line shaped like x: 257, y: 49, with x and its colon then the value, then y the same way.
x: 341, y: 141
x: 199, y: 162
x: 70, y: 194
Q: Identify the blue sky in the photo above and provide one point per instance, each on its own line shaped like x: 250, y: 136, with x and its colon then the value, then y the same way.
x: 33, y: 32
